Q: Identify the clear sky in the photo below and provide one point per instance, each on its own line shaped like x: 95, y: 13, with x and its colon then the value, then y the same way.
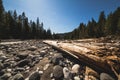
x: 62, y: 15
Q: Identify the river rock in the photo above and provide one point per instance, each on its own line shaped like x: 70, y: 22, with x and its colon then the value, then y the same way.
x: 32, y: 48
x: 22, y: 63
x: 105, y: 76
x: 76, y: 68
x: 67, y: 73
x: 1, y: 66
x: 58, y: 72
x: 22, y: 55
x: 2, y: 72
x: 46, y: 66
x: 57, y: 58
x: 6, y: 76
x: 18, y: 77
x: 42, y: 53
x: 77, y: 78
x: 35, y: 76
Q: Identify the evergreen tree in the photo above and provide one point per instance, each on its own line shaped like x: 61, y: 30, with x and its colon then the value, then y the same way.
x: 101, y: 24
x: 108, y: 25
x: 49, y: 34
x: 26, y: 29
x: 33, y: 26
x: 1, y: 19
x: 19, y: 26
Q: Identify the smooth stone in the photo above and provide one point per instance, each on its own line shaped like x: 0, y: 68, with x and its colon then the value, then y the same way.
x: 1, y: 66
x: 46, y: 66
x: 42, y: 53
x: 22, y: 55
x: 67, y: 73
x: 32, y: 48
x: 2, y: 72
x: 1, y: 53
x: 7, y: 64
x: 41, y: 72
x: 3, y: 58
x: 56, y: 59
x: 22, y: 63
x: 35, y: 76
x: 105, y: 76
x: 76, y: 78
x: 18, y: 77
x: 58, y: 72
x: 19, y: 69
x: 6, y: 76
x: 76, y: 68
x: 9, y: 70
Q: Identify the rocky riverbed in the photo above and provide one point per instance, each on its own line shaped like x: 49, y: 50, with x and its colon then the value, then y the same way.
x: 34, y: 60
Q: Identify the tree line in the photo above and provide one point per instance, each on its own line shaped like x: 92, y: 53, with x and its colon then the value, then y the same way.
x: 14, y: 26
x: 106, y: 25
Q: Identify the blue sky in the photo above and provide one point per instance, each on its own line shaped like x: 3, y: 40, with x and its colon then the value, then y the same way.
x: 62, y: 15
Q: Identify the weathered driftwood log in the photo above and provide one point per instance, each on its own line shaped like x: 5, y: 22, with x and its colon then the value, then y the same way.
x: 82, y: 54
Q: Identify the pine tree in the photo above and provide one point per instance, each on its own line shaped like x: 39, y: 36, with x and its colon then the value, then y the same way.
x: 26, y: 29
x: 1, y: 19
x: 109, y: 25
x: 101, y: 24
x: 49, y: 34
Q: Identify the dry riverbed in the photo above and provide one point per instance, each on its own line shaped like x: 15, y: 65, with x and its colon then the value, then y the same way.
x: 34, y: 60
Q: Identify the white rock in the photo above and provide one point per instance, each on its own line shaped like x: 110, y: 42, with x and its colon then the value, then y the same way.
x: 1, y: 53
x: 46, y: 66
x: 76, y: 68
x: 9, y: 70
x: 67, y: 73
x: 41, y: 72
x: 76, y: 78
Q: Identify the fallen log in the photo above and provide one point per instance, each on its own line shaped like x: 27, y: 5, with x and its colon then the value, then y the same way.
x: 82, y: 54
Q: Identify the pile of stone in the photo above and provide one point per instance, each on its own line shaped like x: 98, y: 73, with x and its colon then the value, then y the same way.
x: 34, y: 60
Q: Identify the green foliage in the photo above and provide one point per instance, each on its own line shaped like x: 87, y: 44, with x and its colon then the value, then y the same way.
x: 18, y: 26
x: 109, y: 25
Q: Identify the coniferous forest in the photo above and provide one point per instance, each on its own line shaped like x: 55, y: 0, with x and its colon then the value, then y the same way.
x: 14, y: 26
x: 106, y: 25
